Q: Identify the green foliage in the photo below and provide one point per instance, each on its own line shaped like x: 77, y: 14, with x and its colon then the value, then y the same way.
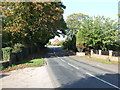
x: 74, y: 22
x: 70, y: 44
x: 1, y: 68
x: 80, y: 41
x: 32, y: 23
x: 35, y: 63
x: 6, y: 53
x: 58, y: 44
x: 24, y: 64
x: 93, y: 32
x: 100, y: 33
x: 49, y: 43
x: 17, y: 48
x: 80, y: 47
x: 6, y: 39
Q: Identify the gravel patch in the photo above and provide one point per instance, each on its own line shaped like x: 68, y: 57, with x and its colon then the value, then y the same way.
x: 36, y: 77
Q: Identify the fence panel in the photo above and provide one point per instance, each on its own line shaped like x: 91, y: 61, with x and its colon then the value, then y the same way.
x: 115, y: 53
x: 105, y: 52
x: 95, y: 51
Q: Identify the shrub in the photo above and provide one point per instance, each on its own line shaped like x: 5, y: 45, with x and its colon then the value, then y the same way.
x: 6, y: 53
x: 58, y: 44
x: 49, y: 43
x: 17, y: 48
x: 70, y: 44
x: 80, y: 47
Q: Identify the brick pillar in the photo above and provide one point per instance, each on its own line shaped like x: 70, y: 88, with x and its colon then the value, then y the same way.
x: 91, y: 52
x: 110, y: 53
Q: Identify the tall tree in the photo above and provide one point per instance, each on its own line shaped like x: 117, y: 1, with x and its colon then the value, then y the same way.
x: 74, y: 22
x: 96, y: 32
x: 32, y: 23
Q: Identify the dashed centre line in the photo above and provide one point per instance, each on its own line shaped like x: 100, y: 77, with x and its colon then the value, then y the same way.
x: 63, y: 60
x: 68, y: 63
x: 73, y: 66
x: 90, y: 74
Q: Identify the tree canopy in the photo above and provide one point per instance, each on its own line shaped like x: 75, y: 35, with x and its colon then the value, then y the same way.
x: 96, y: 32
x: 32, y: 23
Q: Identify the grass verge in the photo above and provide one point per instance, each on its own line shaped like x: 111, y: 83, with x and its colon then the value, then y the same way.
x: 102, y: 60
x: 24, y: 64
x: 32, y: 60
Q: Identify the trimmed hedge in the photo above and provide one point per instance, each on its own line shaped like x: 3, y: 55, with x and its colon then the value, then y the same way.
x: 6, y: 53
x: 14, y: 58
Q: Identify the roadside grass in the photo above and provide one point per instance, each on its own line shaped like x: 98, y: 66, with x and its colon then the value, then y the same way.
x: 102, y: 60
x: 24, y: 64
x: 32, y: 60
x: 33, y: 63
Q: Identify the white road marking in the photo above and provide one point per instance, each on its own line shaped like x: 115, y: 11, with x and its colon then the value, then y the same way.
x: 91, y: 74
x: 63, y: 60
x: 103, y: 80
x: 73, y: 66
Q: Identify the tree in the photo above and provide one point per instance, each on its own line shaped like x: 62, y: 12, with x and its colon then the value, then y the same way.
x: 70, y: 44
x: 96, y: 32
x: 73, y: 22
x: 99, y: 32
x: 32, y: 23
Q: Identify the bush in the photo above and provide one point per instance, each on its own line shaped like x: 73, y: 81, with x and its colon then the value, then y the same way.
x: 80, y: 47
x: 17, y: 48
x: 70, y: 44
x: 6, y: 53
x: 49, y: 43
x: 58, y: 44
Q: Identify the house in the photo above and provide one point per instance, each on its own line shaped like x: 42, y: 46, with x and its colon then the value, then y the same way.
x: 55, y: 41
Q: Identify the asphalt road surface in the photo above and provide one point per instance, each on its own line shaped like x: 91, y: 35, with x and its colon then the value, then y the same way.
x: 67, y: 72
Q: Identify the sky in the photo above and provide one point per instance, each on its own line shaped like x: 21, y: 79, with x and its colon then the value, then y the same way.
x: 107, y: 8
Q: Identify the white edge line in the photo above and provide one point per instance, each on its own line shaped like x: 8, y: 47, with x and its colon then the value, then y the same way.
x: 103, y: 80
x: 73, y: 66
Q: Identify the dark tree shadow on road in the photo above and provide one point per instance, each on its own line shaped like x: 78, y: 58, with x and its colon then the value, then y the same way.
x: 92, y: 82
x: 3, y: 75
x: 58, y: 52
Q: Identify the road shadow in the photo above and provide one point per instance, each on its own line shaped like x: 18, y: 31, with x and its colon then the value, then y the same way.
x: 3, y: 75
x: 92, y: 82
x: 53, y: 52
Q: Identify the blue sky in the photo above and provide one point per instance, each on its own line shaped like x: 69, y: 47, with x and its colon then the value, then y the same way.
x: 107, y: 8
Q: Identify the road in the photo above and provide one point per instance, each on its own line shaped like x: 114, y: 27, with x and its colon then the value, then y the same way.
x: 67, y: 72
